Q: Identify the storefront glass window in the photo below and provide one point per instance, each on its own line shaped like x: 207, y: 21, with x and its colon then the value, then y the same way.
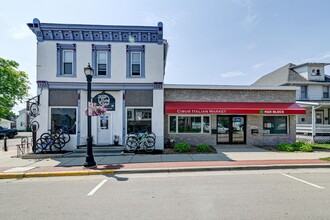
x: 189, y: 124
x: 172, y: 124
x: 64, y: 118
x: 206, y: 124
x: 275, y: 124
x: 138, y: 120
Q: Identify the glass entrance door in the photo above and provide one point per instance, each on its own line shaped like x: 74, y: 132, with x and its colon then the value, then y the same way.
x: 231, y: 129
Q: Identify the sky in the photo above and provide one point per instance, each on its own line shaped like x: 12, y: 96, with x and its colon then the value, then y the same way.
x: 216, y: 42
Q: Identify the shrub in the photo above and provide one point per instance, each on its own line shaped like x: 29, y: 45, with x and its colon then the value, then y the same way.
x: 284, y: 147
x: 182, y: 147
x: 203, y: 148
x: 306, y: 148
x: 296, y: 146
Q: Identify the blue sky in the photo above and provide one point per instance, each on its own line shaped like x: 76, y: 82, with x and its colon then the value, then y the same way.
x: 225, y: 42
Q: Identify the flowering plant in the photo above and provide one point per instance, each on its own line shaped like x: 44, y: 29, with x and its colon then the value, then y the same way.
x: 95, y: 110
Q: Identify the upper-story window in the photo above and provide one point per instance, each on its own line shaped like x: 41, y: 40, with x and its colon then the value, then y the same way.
x: 101, y: 56
x: 316, y: 72
x: 303, y: 92
x: 101, y: 63
x: 136, y: 64
x: 66, y: 60
x: 326, y: 92
x: 135, y: 61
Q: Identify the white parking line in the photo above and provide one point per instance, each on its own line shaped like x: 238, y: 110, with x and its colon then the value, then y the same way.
x: 97, y: 187
x: 303, y: 181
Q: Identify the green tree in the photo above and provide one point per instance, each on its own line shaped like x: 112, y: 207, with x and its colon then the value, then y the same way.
x: 14, y: 86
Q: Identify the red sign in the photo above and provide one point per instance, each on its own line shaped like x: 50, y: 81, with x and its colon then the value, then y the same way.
x: 233, y: 108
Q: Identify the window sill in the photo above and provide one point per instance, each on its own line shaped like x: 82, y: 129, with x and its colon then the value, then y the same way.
x: 67, y: 76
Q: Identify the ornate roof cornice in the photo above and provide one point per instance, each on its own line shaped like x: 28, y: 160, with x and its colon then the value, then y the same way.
x: 106, y: 33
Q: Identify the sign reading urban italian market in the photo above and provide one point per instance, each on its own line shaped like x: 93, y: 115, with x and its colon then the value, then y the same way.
x: 106, y: 100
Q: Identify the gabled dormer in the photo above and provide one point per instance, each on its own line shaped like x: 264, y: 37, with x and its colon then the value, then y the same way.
x: 311, y: 71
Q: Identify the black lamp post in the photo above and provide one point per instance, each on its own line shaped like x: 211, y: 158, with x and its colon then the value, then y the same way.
x: 90, y: 162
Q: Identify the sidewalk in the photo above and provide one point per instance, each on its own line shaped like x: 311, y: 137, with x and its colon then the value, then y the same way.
x: 227, y: 158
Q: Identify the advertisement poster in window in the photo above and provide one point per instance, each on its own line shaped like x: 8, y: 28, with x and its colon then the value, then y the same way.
x: 104, y: 122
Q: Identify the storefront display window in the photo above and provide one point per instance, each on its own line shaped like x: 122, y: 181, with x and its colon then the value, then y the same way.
x: 189, y: 124
x: 275, y: 124
x: 64, y: 118
x: 138, y: 120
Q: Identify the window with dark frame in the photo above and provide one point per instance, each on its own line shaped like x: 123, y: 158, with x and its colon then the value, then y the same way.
x: 275, y: 124
x: 64, y: 118
x: 138, y: 120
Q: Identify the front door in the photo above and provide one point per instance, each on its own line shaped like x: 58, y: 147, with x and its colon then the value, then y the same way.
x: 104, y: 132
x: 231, y: 129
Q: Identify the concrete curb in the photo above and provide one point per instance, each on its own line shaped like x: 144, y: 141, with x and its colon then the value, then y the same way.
x: 54, y: 174
x: 159, y: 170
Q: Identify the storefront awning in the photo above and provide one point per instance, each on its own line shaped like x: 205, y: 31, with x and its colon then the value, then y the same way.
x: 217, y: 108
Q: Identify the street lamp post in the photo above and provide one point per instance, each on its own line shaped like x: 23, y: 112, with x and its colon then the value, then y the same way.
x: 90, y: 162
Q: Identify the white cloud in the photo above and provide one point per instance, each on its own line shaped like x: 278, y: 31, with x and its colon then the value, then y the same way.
x: 232, y: 74
x: 19, y: 32
x: 258, y: 65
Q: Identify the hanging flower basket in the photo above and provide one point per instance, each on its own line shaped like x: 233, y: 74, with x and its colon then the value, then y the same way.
x: 95, y: 110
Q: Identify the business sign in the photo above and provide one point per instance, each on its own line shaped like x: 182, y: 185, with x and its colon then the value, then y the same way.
x: 248, y: 108
x: 232, y: 111
x: 106, y: 100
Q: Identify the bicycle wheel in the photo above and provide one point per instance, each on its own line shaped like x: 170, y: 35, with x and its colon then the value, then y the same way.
x: 34, y: 109
x: 41, y: 146
x: 149, y: 143
x: 34, y: 126
x: 46, y: 136
x: 131, y: 143
x: 152, y: 134
x: 65, y: 137
x: 56, y: 147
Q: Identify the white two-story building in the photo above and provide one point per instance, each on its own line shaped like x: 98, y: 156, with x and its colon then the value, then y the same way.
x: 129, y: 67
x: 313, y: 93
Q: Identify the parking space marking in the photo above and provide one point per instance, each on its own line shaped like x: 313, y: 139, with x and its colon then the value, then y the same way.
x: 97, y: 187
x: 303, y: 181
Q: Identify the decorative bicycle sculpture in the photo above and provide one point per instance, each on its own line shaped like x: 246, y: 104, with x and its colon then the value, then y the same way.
x: 141, y: 141
x: 34, y: 112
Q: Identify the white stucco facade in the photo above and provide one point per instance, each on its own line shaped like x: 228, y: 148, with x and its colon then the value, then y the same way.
x: 64, y: 96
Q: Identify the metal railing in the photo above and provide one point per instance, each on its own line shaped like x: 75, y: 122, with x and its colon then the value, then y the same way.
x: 24, y: 147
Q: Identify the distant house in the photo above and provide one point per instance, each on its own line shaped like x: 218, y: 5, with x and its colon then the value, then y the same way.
x: 5, y: 123
x: 21, y: 120
x: 313, y: 93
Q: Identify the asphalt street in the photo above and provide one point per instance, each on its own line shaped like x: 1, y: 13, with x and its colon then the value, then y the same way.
x: 273, y: 194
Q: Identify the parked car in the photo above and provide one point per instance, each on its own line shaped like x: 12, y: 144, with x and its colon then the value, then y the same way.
x: 222, y: 129
x: 10, y: 133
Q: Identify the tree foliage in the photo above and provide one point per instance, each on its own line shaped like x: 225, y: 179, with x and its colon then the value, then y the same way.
x: 14, y: 86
